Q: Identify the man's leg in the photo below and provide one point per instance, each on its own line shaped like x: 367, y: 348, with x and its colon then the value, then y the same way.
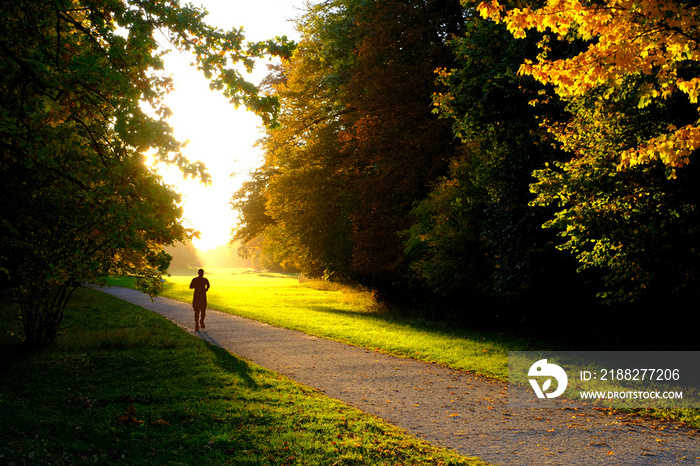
x: 202, y: 313
x: 196, y: 320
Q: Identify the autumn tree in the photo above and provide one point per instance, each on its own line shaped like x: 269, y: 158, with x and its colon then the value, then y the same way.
x: 636, y: 225
x: 477, y: 242
x: 357, y: 144
x: 394, y: 147
x: 81, y: 104
x: 656, y: 39
x: 627, y: 205
x: 294, y: 203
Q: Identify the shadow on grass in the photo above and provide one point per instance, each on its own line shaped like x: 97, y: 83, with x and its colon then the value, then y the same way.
x: 433, y: 327
x: 230, y: 363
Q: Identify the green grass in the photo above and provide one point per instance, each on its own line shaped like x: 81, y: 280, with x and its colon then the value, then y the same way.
x: 125, y: 386
x: 349, y: 315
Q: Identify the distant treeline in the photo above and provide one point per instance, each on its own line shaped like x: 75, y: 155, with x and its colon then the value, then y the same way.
x: 413, y: 157
x: 185, y: 256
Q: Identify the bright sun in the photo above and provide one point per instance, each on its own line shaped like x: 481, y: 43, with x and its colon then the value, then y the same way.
x: 219, y: 135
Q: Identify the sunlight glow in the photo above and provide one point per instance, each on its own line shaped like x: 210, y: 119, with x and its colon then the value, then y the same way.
x: 219, y: 135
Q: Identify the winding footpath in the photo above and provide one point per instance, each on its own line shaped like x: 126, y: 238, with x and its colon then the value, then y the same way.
x: 451, y: 409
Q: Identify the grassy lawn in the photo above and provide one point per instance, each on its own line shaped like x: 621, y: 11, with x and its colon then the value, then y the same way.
x: 124, y: 386
x: 347, y: 315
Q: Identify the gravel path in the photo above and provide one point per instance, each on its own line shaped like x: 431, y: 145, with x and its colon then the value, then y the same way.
x: 452, y: 409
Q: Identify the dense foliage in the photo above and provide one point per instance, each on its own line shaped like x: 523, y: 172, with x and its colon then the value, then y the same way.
x: 357, y: 143
x: 423, y: 145
x: 627, y: 197
x: 81, y: 103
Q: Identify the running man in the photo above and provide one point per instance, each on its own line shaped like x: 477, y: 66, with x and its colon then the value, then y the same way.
x: 200, y: 285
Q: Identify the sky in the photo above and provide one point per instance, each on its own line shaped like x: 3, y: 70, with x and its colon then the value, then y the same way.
x: 220, y: 135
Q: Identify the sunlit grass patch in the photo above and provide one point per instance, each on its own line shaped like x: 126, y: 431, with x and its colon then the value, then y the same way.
x: 342, y: 313
x: 355, y: 297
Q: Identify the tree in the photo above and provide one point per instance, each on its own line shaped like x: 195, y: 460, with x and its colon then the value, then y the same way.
x: 394, y: 147
x: 476, y: 237
x: 295, y: 199
x: 627, y: 203
x: 444, y: 245
x: 635, y: 226
x: 657, y: 39
x: 81, y: 104
x: 357, y: 144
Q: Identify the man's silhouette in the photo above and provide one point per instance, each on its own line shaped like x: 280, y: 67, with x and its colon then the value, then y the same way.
x: 199, y: 300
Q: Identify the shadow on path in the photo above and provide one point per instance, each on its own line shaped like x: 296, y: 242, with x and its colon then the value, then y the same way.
x: 231, y: 364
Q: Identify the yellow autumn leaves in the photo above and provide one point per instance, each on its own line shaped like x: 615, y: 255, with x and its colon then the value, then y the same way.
x: 656, y: 38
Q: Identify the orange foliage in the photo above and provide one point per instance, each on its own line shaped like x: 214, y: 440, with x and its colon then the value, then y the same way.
x: 657, y: 38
